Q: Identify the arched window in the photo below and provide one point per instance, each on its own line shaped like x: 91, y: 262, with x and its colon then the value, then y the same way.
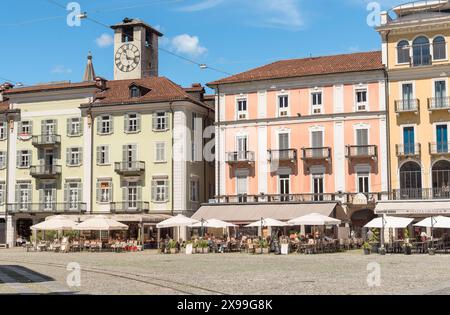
x: 439, y: 51
x: 403, y: 52
x: 410, y: 181
x: 421, y: 51
x: 441, y: 179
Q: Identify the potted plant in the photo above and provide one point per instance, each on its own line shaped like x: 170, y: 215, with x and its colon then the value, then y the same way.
x: 264, y: 245
x: 432, y: 251
x: 367, y: 248
x: 195, y: 248
x: 407, y: 248
x: 173, y: 247
x: 374, y: 240
x: 204, y: 246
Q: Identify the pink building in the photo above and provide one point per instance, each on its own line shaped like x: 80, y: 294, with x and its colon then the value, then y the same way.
x: 303, y: 131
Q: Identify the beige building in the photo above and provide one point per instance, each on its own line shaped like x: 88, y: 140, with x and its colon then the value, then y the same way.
x: 123, y: 148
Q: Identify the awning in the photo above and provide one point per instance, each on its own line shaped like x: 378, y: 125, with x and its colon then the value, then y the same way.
x: 124, y: 218
x: 413, y: 207
x: 246, y: 213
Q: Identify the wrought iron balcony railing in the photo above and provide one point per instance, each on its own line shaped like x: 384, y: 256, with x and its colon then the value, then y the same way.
x: 129, y: 168
x: 283, y: 155
x: 130, y: 207
x: 295, y: 198
x: 407, y: 106
x: 408, y: 150
x: 46, y: 171
x: 439, y: 148
x: 316, y: 153
x: 46, y: 207
x: 362, y: 151
x: 420, y: 193
x: 438, y: 103
x: 46, y: 140
x: 240, y: 156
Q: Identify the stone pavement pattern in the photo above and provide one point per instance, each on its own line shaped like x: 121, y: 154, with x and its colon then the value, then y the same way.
x: 152, y: 273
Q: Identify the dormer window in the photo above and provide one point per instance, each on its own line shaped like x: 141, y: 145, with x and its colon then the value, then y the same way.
x: 135, y: 92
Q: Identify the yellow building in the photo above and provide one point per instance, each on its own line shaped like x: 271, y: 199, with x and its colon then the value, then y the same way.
x: 415, y: 39
x: 130, y: 148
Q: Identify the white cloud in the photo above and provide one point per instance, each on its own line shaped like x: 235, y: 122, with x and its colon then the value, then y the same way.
x: 187, y: 44
x: 284, y: 14
x: 61, y: 69
x: 105, y: 40
x: 204, y: 5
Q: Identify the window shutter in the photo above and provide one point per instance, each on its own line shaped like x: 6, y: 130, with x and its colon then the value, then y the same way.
x: 41, y: 195
x: 30, y: 158
x: 66, y: 193
x: 17, y: 193
x: 124, y: 153
x: 68, y: 159
x: 19, y: 126
x: 134, y: 152
x: 99, y: 154
x: 19, y: 157
x: 42, y: 127
x: 55, y: 124
x: 54, y: 195
x: 30, y: 123
x: 69, y: 126
x: 138, y: 122
x: 154, y: 117
x: 167, y: 192
x: 125, y: 194
x: 139, y: 194
x: 127, y: 123
x: 81, y: 125
x: 99, y: 124
x: 99, y: 192
x: 111, y: 124
x: 107, y: 154
x: 111, y: 191
x: 80, y: 154
x: 80, y: 192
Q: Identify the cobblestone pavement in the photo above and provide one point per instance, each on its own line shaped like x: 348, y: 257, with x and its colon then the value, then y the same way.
x: 152, y: 273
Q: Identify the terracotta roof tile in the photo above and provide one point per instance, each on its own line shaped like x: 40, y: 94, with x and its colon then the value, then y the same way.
x: 49, y: 87
x: 364, y: 61
x: 158, y: 89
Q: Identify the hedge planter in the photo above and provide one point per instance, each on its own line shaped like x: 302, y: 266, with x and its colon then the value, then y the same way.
x: 174, y: 251
x: 265, y: 250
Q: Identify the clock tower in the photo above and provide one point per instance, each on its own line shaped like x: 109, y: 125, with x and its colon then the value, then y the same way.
x: 135, y: 50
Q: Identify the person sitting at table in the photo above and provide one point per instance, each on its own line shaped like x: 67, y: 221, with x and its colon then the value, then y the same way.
x: 424, y: 236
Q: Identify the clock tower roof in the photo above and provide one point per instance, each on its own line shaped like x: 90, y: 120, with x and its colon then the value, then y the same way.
x: 136, y: 22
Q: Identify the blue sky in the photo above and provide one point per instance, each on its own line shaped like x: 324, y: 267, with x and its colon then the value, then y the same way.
x: 232, y: 35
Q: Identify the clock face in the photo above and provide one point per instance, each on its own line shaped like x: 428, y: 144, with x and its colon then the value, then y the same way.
x: 127, y: 57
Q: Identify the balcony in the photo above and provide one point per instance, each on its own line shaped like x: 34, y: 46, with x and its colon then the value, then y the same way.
x: 52, y: 208
x: 240, y: 157
x: 130, y: 207
x: 129, y: 168
x: 323, y: 153
x: 420, y: 194
x: 46, y: 171
x: 294, y: 198
x: 439, y: 148
x: 407, y: 106
x: 438, y: 103
x: 286, y: 155
x: 46, y: 140
x: 362, y: 151
x: 408, y: 150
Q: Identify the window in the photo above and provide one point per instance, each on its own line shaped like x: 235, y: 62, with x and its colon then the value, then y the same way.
x: 72, y: 194
x: 135, y: 92
x: 103, y: 155
x: 408, y: 141
x: 283, y: 105
x: 363, y: 182
x: 129, y: 154
x: 74, y: 156
x: 160, y: 152
x: 132, y: 123
x: 195, y: 189
x: 132, y: 195
x: 408, y: 96
x: 442, y: 139
x: 439, y: 49
x: 317, y: 143
x: 104, y: 191
x: 74, y: 127
x: 2, y: 192
x: 284, y: 187
x: 318, y: 187
x: 242, y: 148
x: 440, y: 94
x: 160, y: 190
x: 47, y: 196
x: 241, y: 188
x: 23, y: 195
x: 242, y: 109
x: 362, y: 141
x: 2, y: 130
x: 105, y: 125
x: 25, y: 128
x: 48, y: 127
x: 23, y: 158
x: 361, y: 99
x: 403, y: 52
x: 421, y: 51
x: 160, y: 121
x: 316, y: 101
x: 2, y: 160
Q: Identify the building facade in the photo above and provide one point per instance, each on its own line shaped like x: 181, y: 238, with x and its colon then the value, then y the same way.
x: 415, y: 47
x: 305, y: 131
x: 130, y: 148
